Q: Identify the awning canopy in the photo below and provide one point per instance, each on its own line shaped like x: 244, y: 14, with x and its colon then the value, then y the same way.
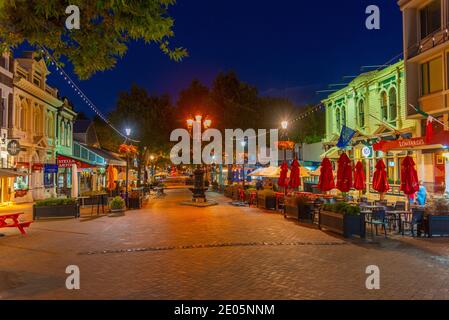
x: 9, y: 173
x: 439, y: 140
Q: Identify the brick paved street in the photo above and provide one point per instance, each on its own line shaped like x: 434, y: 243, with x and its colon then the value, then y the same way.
x: 167, y: 251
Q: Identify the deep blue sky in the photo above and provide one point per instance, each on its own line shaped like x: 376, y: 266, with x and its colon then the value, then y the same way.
x: 286, y: 47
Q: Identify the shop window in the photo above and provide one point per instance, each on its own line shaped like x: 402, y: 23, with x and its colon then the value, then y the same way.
x: 49, y: 179
x: 393, y: 105
x: 430, y: 18
x: 361, y: 113
x: 76, y: 150
x: 432, y: 76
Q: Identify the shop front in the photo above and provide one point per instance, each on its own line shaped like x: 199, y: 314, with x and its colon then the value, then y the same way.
x: 85, y: 173
x: 430, y: 155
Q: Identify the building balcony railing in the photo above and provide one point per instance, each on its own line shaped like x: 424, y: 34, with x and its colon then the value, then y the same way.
x: 431, y: 41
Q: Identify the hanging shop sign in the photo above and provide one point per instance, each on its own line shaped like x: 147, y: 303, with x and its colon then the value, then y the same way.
x: 68, y: 162
x: 37, y: 166
x: 50, y: 168
x: 367, y: 152
x: 13, y: 148
x: 438, y: 139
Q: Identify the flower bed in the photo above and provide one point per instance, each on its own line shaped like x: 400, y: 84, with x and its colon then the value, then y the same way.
x: 342, y: 218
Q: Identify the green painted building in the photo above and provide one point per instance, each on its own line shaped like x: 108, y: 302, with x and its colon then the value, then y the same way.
x: 373, y: 104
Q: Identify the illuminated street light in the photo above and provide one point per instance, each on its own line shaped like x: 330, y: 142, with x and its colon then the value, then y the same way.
x: 284, y: 125
x: 207, y: 123
x: 190, y: 123
x: 198, y: 118
x: 128, y: 131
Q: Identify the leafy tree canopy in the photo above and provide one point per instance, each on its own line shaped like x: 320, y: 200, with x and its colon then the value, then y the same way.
x: 106, y: 27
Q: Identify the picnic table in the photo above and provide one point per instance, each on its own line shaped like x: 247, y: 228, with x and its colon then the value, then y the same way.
x: 12, y: 221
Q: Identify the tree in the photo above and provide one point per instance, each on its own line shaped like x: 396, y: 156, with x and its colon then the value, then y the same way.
x: 150, y: 117
x: 194, y: 99
x: 106, y: 27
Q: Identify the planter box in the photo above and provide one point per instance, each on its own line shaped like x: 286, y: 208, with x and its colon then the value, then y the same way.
x: 437, y: 226
x: 346, y: 225
x: 266, y: 202
x: 135, y: 203
x: 300, y: 211
x: 56, y: 211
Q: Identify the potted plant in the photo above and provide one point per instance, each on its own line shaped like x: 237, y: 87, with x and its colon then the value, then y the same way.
x: 117, y: 206
x: 56, y: 208
x: 342, y: 218
x: 436, y: 222
x: 266, y: 199
x: 135, y: 200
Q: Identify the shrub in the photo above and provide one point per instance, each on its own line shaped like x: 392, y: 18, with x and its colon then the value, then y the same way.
x: 342, y: 208
x: 55, y: 202
x: 117, y: 203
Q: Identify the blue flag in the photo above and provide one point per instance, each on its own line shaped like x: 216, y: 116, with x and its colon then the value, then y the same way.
x: 345, y: 137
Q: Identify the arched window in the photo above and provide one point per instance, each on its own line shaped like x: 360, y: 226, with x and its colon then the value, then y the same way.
x: 23, y: 117
x: 37, y: 120
x: 50, y: 125
x: 384, y: 106
x: 343, y: 115
x: 67, y: 135
x: 361, y: 113
x: 338, y: 119
x: 393, y: 105
x: 61, y: 133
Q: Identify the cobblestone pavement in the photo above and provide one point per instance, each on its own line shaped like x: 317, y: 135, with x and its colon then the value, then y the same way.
x: 168, y: 251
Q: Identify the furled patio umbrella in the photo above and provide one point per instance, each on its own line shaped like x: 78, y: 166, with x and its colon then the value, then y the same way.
x: 111, y: 178
x: 359, y: 177
x: 295, y: 180
x: 326, y: 181
x: 282, y: 181
x: 380, y: 181
x: 409, y: 176
x: 344, y: 173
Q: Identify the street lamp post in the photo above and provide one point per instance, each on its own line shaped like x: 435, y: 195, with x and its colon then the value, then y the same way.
x: 128, y: 133
x: 243, y: 143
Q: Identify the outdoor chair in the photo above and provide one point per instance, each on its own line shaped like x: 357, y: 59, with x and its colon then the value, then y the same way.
x: 399, y: 205
x: 416, y: 220
x: 377, y: 218
x: 381, y: 203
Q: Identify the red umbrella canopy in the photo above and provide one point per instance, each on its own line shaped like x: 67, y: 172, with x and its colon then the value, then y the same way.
x: 326, y: 182
x: 282, y: 182
x: 295, y: 181
x: 380, y: 181
x: 409, y: 176
x: 344, y: 173
x: 359, y: 176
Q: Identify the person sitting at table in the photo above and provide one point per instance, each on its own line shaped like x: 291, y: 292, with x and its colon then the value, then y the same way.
x: 421, y: 195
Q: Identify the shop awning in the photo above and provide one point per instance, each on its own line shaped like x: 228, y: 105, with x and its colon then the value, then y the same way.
x: 438, y: 141
x: 67, y: 162
x: 110, y: 157
x: 9, y: 173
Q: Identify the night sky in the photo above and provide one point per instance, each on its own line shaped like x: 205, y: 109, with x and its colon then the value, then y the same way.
x: 287, y: 48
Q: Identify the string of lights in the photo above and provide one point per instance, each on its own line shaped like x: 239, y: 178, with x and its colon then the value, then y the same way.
x: 52, y: 61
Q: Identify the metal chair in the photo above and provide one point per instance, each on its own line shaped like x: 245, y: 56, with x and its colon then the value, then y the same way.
x: 399, y: 206
x: 416, y: 220
x: 378, y: 219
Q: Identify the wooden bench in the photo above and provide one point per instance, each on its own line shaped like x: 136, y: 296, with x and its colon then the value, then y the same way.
x: 12, y: 221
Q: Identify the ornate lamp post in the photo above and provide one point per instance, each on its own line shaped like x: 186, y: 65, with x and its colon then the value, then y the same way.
x: 243, y: 144
x: 198, y: 187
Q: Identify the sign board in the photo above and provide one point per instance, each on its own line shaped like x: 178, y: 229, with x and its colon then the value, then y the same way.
x: 367, y: 152
x: 67, y: 162
x: 50, y: 168
x: 13, y: 147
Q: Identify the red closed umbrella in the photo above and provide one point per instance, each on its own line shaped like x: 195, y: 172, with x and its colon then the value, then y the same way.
x: 409, y: 176
x: 295, y: 181
x: 380, y: 181
x: 326, y: 182
x: 344, y: 173
x: 359, y: 176
x: 282, y: 182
